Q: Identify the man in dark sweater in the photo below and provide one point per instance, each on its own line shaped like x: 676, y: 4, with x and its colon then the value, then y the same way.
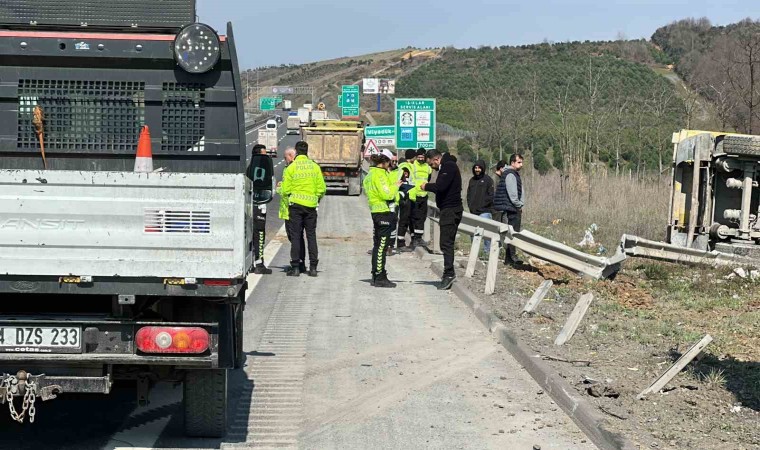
x: 510, y: 199
x: 480, y: 195
x: 448, y: 199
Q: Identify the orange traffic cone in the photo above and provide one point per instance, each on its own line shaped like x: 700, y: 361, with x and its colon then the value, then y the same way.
x: 144, y: 159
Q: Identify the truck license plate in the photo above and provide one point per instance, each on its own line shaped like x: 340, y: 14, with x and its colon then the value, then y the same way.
x: 21, y: 339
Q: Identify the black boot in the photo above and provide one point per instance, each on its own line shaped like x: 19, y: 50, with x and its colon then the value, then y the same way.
x: 382, y: 281
x: 302, y: 267
x: 262, y: 270
x: 446, y: 282
x: 372, y: 282
x: 313, y: 271
x: 293, y: 271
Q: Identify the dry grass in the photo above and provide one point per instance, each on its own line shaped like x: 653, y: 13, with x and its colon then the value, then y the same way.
x: 562, y: 209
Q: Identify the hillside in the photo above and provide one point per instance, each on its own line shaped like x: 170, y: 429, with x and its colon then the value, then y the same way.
x: 567, y: 104
x: 328, y: 76
x: 721, y: 64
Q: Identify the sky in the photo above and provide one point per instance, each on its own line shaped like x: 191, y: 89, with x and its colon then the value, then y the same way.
x: 273, y: 32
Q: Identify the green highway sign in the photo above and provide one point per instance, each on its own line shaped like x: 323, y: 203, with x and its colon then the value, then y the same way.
x: 382, y: 135
x: 350, y: 95
x: 350, y: 112
x: 386, y: 131
x: 415, y: 123
x: 267, y: 103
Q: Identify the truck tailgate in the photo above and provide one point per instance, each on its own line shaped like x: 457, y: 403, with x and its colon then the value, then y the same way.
x: 122, y: 224
x: 331, y: 148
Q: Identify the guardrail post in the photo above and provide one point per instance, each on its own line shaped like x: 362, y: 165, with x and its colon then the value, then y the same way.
x: 474, y: 252
x: 493, y: 267
x: 436, y: 230
x: 427, y: 230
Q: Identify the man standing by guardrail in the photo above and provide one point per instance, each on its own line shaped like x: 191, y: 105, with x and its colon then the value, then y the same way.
x: 448, y: 199
x: 510, y: 199
x: 480, y: 195
x: 304, y: 185
x: 421, y: 174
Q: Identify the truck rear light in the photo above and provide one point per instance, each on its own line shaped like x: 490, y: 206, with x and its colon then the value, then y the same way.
x: 192, y: 340
x: 217, y: 282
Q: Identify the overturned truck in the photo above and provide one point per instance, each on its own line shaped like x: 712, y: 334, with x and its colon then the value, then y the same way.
x: 715, y: 202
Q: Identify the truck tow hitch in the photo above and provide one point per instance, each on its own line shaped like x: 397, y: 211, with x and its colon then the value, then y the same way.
x: 28, y: 387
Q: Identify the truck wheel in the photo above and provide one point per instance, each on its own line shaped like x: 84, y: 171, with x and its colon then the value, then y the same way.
x: 205, y: 403
x: 239, y: 326
x: 354, y: 186
x: 742, y: 145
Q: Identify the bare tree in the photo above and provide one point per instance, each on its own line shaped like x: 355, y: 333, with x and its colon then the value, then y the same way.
x: 743, y: 69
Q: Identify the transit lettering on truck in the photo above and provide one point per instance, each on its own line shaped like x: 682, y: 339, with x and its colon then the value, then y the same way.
x: 40, y: 224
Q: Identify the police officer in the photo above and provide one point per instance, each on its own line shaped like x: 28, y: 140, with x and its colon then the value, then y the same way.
x: 408, y: 197
x: 421, y: 173
x: 259, y: 225
x: 284, y: 213
x: 381, y: 196
x: 304, y: 186
x: 393, y: 174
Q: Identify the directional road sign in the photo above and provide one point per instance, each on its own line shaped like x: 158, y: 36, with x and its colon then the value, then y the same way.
x: 382, y: 135
x: 267, y: 103
x: 415, y: 123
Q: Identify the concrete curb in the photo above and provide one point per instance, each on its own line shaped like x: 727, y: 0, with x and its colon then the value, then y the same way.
x: 576, y: 407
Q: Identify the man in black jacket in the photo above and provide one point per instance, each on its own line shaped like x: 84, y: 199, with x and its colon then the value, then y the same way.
x: 448, y: 199
x: 510, y: 199
x: 480, y: 195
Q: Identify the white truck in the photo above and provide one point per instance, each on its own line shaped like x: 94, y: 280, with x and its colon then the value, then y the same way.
x: 106, y: 274
x: 287, y: 105
x: 293, y: 125
x: 268, y: 137
x: 304, y: 114
x: 318, y: 115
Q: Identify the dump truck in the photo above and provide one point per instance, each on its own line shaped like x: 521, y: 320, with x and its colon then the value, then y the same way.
x: 337, y: 147
x: 715, y: 201
x: 107, y: 274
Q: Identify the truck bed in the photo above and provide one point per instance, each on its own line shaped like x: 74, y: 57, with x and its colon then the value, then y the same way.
x: 122, y: 224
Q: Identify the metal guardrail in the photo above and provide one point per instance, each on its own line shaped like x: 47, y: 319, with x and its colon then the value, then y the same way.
x: 532, y: 244
x: 636, y: 246
x: 564, y: 256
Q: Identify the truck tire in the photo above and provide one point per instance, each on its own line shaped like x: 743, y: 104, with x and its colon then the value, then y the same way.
x: 205, y: 403
x: 742, y: 145
x: 355, y: 186
x: 239, y: 328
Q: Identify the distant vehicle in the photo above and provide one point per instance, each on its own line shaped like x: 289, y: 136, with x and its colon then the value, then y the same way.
x: 287, y: 105
x: 294, y: 125
x: 304, y: 114
x: 278, y: 118
x: 318, y: 115
x: 268, y: 137
x: 308, y: 106
x: 293, y: 113
x: 337, y: 147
